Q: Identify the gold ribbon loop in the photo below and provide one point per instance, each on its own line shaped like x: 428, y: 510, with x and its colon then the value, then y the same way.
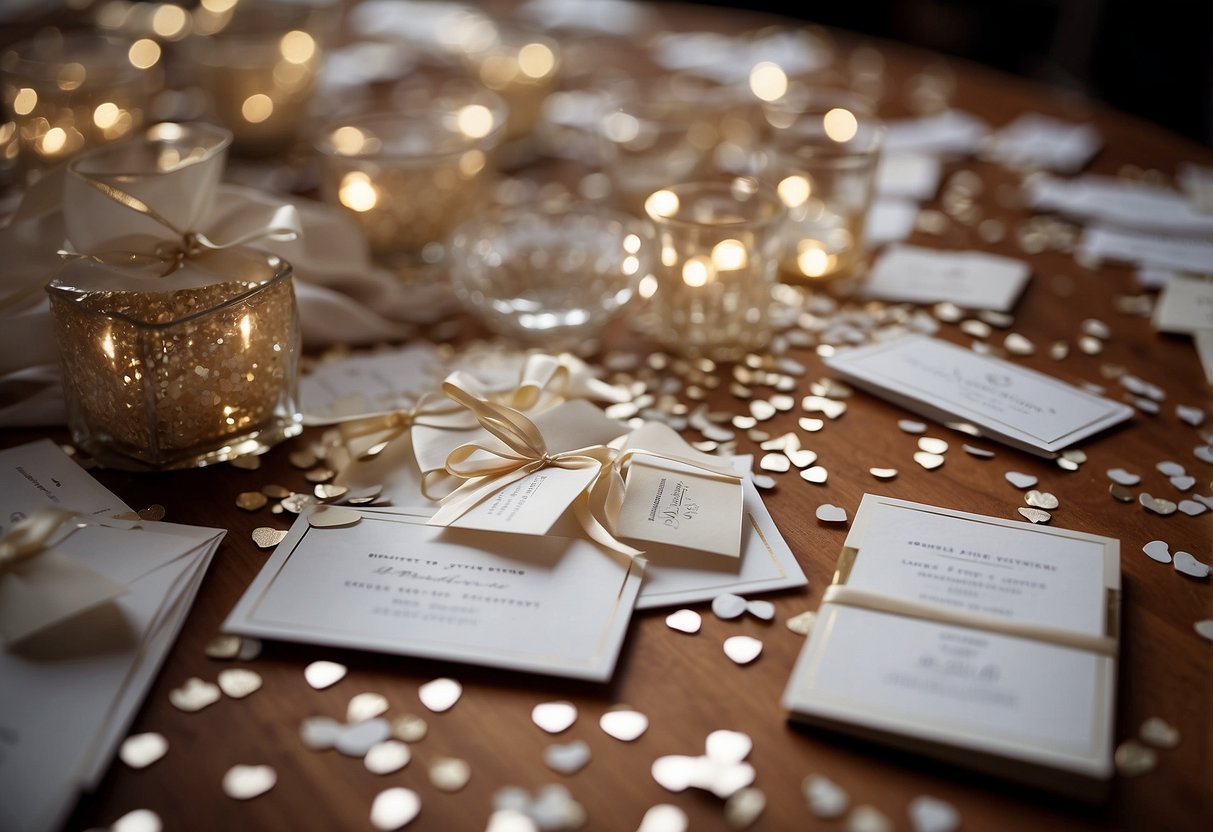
x: 367, y: 436
x: 28, y: 537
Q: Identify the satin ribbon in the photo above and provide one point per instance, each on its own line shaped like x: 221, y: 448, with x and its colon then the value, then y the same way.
x: 27, y: 538
x: 172, y: 254
x: 366, y: 436
x: 852, y: 597
x: 563, y: 376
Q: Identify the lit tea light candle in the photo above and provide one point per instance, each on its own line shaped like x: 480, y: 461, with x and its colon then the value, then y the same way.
x: 719, y: 245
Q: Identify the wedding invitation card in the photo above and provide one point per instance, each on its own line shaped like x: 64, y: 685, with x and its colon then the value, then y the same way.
x: 990, y: 643
x: 1003, y: 401
x: 1185, y: 305
x: 392, y: 583
x: 969, y: 279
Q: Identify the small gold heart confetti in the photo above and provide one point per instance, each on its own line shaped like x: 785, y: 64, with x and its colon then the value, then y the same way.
x: 1121, y: 493
x: 319, y: 475
x: 365, y: 706
x: 296, y: 503
x: 275, y: 492
x: 152, y: 513
x: 554, y: 717
x: 194, y: 695
x: 328, y: 491
x: 237, y: 682
x: 1036, y: 515
x: 1133, y: 758
x: 248, y: 463
x: 303, y: 459
x: 1020, y: 480
x: 802, y: 624
x: 868, y: 819
x: 1159, y: 733
x: 409, y: 728
x: 624, y: 724
x: 387, y: 757
x: 928, y: 460
x: 450, y: 774
x: 328, y: 517
x: 267, y: 538
x: 744, y: 807
x: 1041, y: 499
x: 321, y: 675
x: 141, y: 750
x: 251, y: 500
x: 394, y: 809
x: 1017, y: 344
x: 223, y: 647
x: 1156, y: 504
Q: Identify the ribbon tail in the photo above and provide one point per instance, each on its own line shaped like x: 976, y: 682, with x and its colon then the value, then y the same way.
x: 472, y: 493
x: 588, y: 514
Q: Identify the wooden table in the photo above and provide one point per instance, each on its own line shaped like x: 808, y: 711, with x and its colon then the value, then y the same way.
x: 685, y: 685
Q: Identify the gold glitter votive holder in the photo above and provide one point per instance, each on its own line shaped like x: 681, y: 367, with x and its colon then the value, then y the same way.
x: 718, y: 247
x: 168, y: 378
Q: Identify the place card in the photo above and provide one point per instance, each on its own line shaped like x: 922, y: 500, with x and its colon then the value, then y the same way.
x: 1037, y: 141
x: 890, y: 219
x: 1185, y: 305
x: 985, y: 642
x: 71, y: 692
x: 393, y: 584
x: 1126, y: 205
x: 672, y: 506
x: 1186, y: 254
x: 913, y: 176
x: 969, y: 279
x: 996, y: 398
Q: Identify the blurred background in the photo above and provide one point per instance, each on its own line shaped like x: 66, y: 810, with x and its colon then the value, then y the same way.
x: 1151, y: 59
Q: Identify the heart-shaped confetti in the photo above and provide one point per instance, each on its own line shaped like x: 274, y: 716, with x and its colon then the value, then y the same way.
x: 1035, y: 515
x: 1168, y: 468
x: 1133, y: 758
x: 365, y: 706
x: 394, y: 808
x: 830, y: 513
x: 1017, y: 344
x: 319, y: 732
x: 1159, y: 733
x: 194, y: 695
x: 1188, y: 565
x: 1156, y: 504
x: 248, y: 463
x: 744, y: 807
x: 450, y: 774
x: 684, y: 621
x: 624, y: 725
x: 440, y: 694
x: 321, y: 675
x: 674, y: 772
x: 567, y: 758
x: 980, y: 453
x: 1041, y: 499
x: 802, y: 458
x: 223, y: 647
x: 816, y: 475
x: 409, y: 728
x: 250, y: 648
x: 1204, y: 628
x: 763, y: 481
x: 742, y: 649
x: 1193, y: 416
x: 930, y: 814
x: 1122, y: 477
x: 762, y: 410
x: 728, y: 606
x: 1183, y: 483
x: 237, y: 682
x: 664, y: 817
x: 247, y: 782
x: 328, y: 491
x: 1192, y: 508
x: 1121, y: 493
x: 1204, y: 453
x: 932, y: 445
x: 554, y: 808
x: 141, y: 750
x: 510, y: 820
x: 928, y: 461
x: 883, y: 473
x: 554, y: 717
x: 1158, y: 550
x: 763, y: 610
x: 826, y: 798
x: 868, y: 819
x: 251, y: 500
x: 329, y: 517
x: 137, y: 820
x: 387, y: 757
x: 810, y: 425
x: 802, y: 624
x: 778, y: 463
x: 357, y: 739
x: 726, y: 746
x: 910, y: 426
x: 1020, y: 480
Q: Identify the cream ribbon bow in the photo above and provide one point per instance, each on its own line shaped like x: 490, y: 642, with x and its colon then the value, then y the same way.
x: 366, y: 436
x: 487, y: 469
x: 40, y: 586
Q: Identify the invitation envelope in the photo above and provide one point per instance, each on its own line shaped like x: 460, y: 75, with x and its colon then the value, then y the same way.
x: 391, y: 583
x: 990, y: 643
x: 969, y: 279
x: 71, y: 692
x: 1003, y: 401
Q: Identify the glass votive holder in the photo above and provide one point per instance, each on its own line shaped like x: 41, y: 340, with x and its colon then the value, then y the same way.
x: 70, y: 91
x: 258, y: 70
x: 550, y: 276
x: 408, y: 177
x: 823, y: 157
x: 718, y: 245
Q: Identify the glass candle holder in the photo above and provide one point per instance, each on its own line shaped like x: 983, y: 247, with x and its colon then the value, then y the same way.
x: 258, y: 70
x: 550, y: 276
x: 70, y: 91
x: 410, y: 176
x: 719, y: 245
x: 824, y: 153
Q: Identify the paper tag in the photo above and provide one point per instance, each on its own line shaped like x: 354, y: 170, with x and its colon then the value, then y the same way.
x: 908, y: 175
x: 1038, y: 141
x: 969, y: 279
x: 1183, y: 254
x: 1119, y: 203
x: 1185, y: 305
x: 673, y: 506
x: 530, y: 505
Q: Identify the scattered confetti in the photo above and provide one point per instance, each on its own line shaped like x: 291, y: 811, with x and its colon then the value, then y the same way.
x: 357, y: 739
x: 1192, y: 508
x: 684, y: 621
x: 624, y: 724
x: 1035, y: 515
x: 247, y: 782
x: 1170, y: 469
x: 440, y: 694
x: 778, y: 463
x: 932, y: 445
x: 927, y: 460
x: 141, y: 750
x: 251, y: 500
x: 1158, y: 550
x: 763, y: 610
x: 1183, y: 483
x: 194, y: 695
x: 816, y: 475
x: 802, y: 624
x: 223, y: 647
x: 826, y: 798
x: 327, y: 517
x: 727, y: 606
x: 830, y: 513
x: 1020, y: 480
x: 387, y: 757
x: 394, y: 808
x: 450, y: 774
x: 1159, y: 733
x: 365, y: 706
x: 409, y: 728
x: 744, y: 807
x: 1041, y: 499
x: 567, y: 758
x: 1122, y: 477
x: 930, y: 814
x: 1133, y: 758
x: 664, y: 817
x: 883, y: 473
x: 237, y: 682
x: 742, y: 649
x: 1188, y: 565
x: 321, y: 675
x: 868, y: 819
x: 1156, y: 504
x: 554, y: 717
x: 910, y: 426
x: 1121, y: 493
x: 319, y: 732
x: 1204, y: 628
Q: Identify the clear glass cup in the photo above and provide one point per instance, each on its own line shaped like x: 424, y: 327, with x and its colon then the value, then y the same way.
x: 822, y: 156
x: 71, y: 91
x: 258, y: 64
x: 719, y: 245
x: 408, y: 177
x: 550, y: 276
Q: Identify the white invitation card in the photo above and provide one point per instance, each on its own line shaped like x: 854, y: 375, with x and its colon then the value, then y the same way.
x: 1185, y: 305
x: 969, y: 279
